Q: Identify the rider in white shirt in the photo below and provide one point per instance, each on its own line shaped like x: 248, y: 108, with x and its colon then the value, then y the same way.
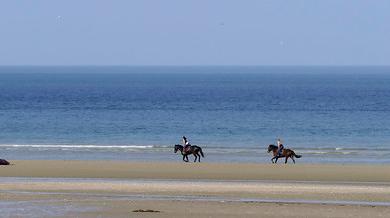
x: 186, y: 144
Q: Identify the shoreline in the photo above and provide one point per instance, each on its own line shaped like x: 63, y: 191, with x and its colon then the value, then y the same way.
x: 212, y: 155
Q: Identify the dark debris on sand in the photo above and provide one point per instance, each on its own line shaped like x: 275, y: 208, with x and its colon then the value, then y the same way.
x: 146, y: 211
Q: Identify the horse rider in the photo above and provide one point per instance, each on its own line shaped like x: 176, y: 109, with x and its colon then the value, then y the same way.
x: 280, y: 147
x: 186, y: 144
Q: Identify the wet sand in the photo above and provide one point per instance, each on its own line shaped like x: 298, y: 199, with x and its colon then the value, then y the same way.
x: 115, y: 189
x: 76, y: 206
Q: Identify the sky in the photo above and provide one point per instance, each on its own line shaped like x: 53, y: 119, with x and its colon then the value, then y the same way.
x: 195, y: 32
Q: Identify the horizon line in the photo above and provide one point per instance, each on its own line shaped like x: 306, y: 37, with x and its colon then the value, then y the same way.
x: 195, y: 65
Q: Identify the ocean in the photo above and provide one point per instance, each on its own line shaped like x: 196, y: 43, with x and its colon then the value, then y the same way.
x: 327, y: 114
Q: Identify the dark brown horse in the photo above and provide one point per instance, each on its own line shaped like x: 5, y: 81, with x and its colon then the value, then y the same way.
x: 195, y: 150
x: 287, y: 153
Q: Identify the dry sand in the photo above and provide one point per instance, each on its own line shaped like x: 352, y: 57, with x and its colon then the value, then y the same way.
x: 179, y: 170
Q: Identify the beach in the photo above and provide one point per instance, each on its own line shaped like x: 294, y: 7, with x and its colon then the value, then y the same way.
x: 90, y: 141
x: 181, y: 170
x: 117, y: 188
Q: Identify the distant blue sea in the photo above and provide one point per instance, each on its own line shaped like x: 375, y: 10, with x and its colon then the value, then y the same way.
x: 327, y: 114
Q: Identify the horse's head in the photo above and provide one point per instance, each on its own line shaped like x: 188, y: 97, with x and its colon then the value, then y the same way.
x: 177, y: 147
x: 271, y: 148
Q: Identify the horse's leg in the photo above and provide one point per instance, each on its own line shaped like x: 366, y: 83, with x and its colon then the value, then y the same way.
x: 196, y: 157
x: 292, y: 158
x: 272, y: 159
x: 276, y: 159
x: 185, y: 157
x: 286, y: 160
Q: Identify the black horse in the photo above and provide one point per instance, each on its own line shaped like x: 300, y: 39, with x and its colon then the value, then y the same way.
x: 3, y: 162
x: 287, y: 153
x: 194, y: 149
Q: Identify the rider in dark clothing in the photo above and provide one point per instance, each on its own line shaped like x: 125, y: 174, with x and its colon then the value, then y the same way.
x: 280, y: 147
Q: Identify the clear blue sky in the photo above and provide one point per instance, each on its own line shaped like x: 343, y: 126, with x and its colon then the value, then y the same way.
x: 195, y: 32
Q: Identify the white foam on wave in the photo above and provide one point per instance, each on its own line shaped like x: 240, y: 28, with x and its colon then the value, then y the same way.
x: 330, y: 152
x: 80, y: 146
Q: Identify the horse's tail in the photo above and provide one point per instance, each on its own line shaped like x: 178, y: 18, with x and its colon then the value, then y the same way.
x: 201, y: 152
x: 297, y: 156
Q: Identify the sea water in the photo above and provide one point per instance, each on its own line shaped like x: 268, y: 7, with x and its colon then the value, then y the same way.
x: 327, y: 114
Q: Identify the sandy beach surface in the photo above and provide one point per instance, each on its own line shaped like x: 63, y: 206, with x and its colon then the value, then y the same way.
x: 181, y: 170
x: 173, y: 189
